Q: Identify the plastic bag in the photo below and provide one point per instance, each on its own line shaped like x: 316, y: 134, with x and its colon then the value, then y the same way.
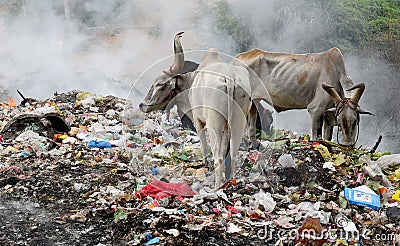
x: 159, y: 190
x: 99, y: 144
x: 262, y: 198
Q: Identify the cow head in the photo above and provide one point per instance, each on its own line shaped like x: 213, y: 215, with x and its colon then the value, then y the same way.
x: 163, y: 89
x: 347, y: 112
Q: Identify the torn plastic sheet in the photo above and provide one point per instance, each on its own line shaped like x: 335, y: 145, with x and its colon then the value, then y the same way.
x: 159, y: 189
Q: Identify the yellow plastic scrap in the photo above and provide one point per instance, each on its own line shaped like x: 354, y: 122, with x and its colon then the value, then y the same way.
x: 324, y: 152
x: 339, y: 159
x: 62, y: 137
x: 99, y: 99
x: 83, y: 95
x: 58, y: 110
x: 396, y: 175
x: 78, y: 155
x: 396, y: 196
x: 9, y: 187
x: 341, y: 242
x: 12, y: 149
x: 82, y: 127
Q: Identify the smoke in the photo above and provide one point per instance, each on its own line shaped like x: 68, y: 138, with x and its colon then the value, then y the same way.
x: 278, y: 26
x: 380, y: 98
x: 108, y: 44
x: 103, y: 49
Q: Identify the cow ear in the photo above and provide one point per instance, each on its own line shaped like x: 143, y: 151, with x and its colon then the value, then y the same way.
x: 183, y: 81
x: 361, y: 111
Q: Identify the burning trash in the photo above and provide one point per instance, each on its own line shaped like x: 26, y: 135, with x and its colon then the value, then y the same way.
x: 145, y: 183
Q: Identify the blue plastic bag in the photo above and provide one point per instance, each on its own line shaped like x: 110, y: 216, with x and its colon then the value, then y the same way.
x: 99, y: 144
x: 155, y: 240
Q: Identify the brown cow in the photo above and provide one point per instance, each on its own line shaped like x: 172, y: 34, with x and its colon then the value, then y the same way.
x: 295, y: 81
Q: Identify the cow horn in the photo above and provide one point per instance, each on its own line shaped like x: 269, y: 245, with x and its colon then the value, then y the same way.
x: 332, y: 92
x: 361, y: 111
x: 179, y: 56
x: 358, y: 93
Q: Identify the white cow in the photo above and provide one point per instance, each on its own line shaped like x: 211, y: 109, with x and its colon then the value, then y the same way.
x: 218, y: 96
x: 220, y: 101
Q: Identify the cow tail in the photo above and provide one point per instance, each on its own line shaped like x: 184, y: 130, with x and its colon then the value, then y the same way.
x: 230, y: 88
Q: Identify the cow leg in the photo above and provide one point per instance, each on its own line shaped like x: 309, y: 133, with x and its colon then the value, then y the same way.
x: 216, y: 134
x: 329, y: 123
x: 218, y: 156
x: 236, y: 133
x: 316, y: 123
x: 185, y: 120
x: 328, y: 132
x: 234, y: 143
x: 266, y: 120
x: 251, y: 130
x: 187, y: 123
x: 203, y: 140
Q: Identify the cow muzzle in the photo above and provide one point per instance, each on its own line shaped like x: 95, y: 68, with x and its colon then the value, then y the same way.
x: 348, y: 143
x: 144, y: 108
x: 149, y: 107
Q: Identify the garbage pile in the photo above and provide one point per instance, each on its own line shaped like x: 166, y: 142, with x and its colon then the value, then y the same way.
x: 84, y: 169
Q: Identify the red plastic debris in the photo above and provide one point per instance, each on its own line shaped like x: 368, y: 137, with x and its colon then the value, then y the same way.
x: 216, y: 210
x: 232, y: 209
x: 158, y: 190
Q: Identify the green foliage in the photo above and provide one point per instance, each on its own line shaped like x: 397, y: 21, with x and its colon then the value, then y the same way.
x: 231, y: 24
x: 363, y: 25
x: 355, y: 26
x: 12, y: 7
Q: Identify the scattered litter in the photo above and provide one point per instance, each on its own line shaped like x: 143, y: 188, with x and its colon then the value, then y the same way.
x: 329, y: 165
x: 287, y: 161
x: 99, y: 144
x: 362, y: 196
x: 396, y: 196
x: 100, y: 168
x: 373, y: 170
x: 388, y: 161
x: 263, y: 199
x: 173, y: 232
x: 232, y: 228
x: 393, y: 214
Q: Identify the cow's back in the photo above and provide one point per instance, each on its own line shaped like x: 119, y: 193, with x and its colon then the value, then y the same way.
x: 210, y: 89
x: 293, y: 80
